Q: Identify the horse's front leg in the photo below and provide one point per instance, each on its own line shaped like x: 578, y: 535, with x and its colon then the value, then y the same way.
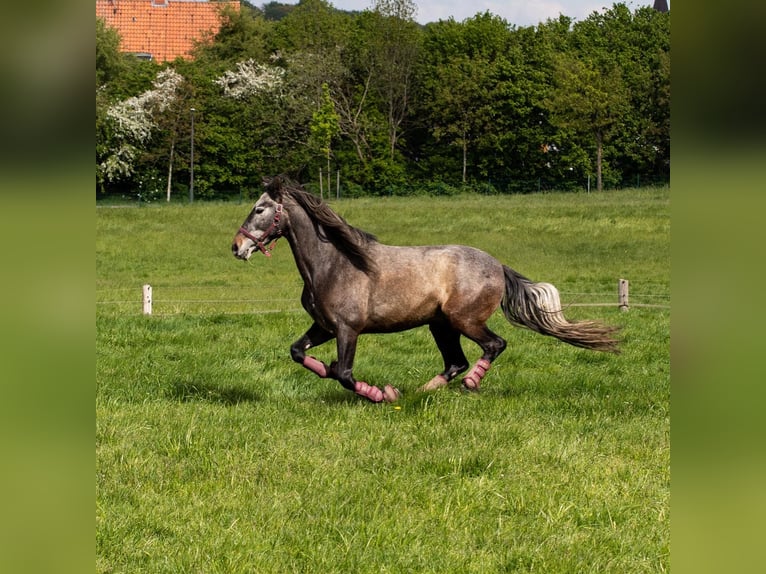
x: 316, y: 335
x: 343, y: 371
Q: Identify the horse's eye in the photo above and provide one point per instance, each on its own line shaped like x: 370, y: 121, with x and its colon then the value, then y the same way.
x: 259, y: 209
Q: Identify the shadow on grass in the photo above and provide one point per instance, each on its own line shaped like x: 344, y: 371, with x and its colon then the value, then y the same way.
x: 185, y: 391
x: 340, y: 396
x: 411, y: 400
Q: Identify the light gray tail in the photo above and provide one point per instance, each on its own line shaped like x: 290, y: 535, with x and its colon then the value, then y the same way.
x: 537, y: 306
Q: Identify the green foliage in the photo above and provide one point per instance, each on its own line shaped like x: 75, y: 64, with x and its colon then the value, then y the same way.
x: 276, y: 10
x: 461, y: 102
x: 243, y: 34
x: 216, y: 453
x: 631, y: 53
x: 472, y: 70
x: 108, y: 59
x: 394, y: 46
x: 324, y: 123
x: 313, y: 26
x: 588, y: 99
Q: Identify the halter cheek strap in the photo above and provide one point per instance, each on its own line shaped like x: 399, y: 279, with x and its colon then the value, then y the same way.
x: 260, y: 244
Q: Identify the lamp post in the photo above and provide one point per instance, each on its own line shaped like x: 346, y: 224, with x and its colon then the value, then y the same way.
x: 191, y: 163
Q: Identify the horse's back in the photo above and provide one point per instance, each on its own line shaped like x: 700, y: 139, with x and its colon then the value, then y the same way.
x: 436, y: 264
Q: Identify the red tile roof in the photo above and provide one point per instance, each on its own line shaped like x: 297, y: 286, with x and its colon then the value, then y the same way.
x: 165, y: 29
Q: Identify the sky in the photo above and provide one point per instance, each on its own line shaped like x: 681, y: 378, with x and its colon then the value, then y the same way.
x: 518, y: 12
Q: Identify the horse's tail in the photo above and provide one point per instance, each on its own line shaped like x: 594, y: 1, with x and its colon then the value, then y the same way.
x: 537, y: 306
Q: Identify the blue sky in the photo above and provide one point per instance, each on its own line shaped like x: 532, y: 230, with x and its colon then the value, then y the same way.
x: 518, y: 12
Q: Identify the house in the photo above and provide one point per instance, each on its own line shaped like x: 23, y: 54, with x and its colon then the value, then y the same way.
x: 162, y: 29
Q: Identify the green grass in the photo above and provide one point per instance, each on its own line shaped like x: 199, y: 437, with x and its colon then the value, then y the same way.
x: 216, y: 453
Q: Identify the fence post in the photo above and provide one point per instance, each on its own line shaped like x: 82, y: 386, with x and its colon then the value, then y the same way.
x: 622, y: 294
x: 147, y: 299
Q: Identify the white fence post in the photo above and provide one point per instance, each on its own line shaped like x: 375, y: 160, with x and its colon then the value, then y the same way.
x: 147, y: 299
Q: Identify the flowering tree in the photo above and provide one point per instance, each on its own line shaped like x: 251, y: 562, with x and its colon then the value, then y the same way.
x: 133, y: 120
x: 249, y: 79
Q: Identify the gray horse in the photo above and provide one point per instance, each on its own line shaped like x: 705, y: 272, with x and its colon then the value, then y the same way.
x: 354, y: 284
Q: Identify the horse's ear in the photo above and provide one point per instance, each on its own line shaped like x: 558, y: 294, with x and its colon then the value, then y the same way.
x: 273, y: 186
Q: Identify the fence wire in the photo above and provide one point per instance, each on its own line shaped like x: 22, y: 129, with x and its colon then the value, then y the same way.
x: 115, y: 304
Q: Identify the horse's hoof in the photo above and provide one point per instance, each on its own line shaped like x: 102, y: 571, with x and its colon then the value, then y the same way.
x: 369, y: 392
x: 472, y: 380
x: 391, y: 394
x: 437, y: 382
x: 471, y: 385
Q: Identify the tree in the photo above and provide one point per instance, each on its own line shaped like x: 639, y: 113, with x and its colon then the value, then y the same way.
x: 277, y: 10
x: 466, y: 75
x: 312, y: 26
x: 394, y: 46
x: 244, y: 34
x: 133, y: 121
x: 588, y: 99
x: 628, y: 49
x: 324, y: 127
x: 247, y: 127
x: 109, y: 62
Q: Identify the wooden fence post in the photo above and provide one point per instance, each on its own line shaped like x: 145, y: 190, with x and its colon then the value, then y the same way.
x: 622, y: 294
x: 147, y: 299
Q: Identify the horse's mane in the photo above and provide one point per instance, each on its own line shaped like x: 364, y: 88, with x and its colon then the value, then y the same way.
x: 350, y: 241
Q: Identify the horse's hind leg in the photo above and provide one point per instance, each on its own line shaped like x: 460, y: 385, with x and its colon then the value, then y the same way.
x: 492, y: 344
x: 316, y: 335
x: 448, y: 341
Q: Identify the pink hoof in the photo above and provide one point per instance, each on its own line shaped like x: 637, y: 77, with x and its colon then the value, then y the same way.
x: 391, y: 394
x: 437, y: 382
x: 471, y: 384
x: 315, y: 365
x: 473, y: 379
x: 369, y: 392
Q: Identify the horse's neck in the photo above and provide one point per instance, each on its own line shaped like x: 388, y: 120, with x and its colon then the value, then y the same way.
x: 312, y: 256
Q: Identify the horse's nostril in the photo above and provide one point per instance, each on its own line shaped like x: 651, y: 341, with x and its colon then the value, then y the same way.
x: 234, y: 248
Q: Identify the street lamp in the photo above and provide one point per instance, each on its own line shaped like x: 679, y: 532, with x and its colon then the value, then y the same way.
x: 191, y: 169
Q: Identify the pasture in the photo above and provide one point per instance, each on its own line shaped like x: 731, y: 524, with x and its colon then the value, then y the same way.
x: 216, y: 453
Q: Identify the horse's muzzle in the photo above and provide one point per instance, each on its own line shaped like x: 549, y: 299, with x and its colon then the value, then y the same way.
x: 238, y: 251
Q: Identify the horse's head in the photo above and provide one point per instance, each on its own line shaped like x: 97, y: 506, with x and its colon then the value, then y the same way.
x: 263, y: 225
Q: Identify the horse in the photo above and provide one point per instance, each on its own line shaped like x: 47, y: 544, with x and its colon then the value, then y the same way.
x: 354, y: 284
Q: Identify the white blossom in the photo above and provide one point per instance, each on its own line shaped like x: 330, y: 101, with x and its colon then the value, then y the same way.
x: 119, y: 164
x: 250, y: 79
x: 133, y: 122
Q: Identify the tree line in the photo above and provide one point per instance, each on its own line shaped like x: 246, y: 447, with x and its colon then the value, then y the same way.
x: 385, y: 105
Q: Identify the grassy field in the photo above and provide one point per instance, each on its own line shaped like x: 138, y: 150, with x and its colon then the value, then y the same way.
x: 216, y: 453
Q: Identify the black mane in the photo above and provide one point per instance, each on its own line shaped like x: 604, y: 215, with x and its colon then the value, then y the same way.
x: 350, y: 241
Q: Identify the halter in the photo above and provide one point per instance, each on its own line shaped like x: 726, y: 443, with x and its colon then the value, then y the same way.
x: 260, y: 244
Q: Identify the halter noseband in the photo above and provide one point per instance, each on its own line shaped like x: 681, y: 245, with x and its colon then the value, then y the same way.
x: 260, y: 244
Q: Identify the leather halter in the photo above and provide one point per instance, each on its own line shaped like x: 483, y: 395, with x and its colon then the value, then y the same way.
x: 260, y: 244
